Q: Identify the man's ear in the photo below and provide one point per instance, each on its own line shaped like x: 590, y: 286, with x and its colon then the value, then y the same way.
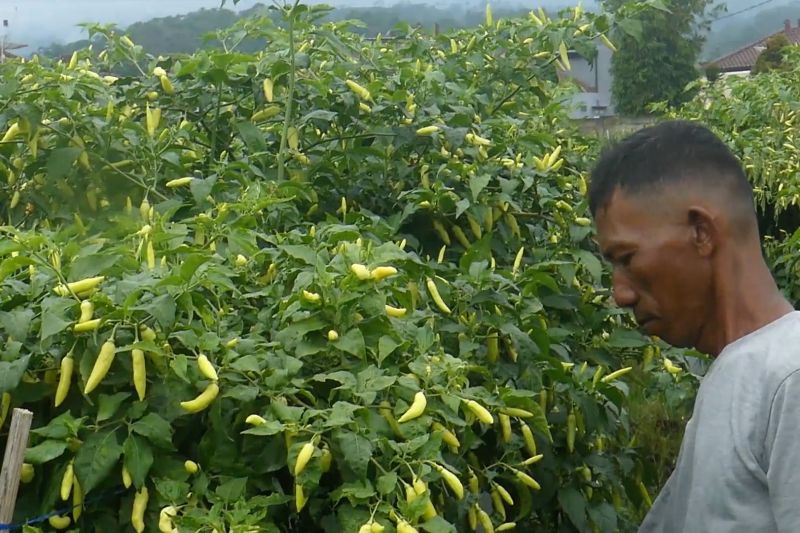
x: 704, y: 230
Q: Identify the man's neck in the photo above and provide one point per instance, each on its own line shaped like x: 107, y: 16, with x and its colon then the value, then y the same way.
x: 746, y: 299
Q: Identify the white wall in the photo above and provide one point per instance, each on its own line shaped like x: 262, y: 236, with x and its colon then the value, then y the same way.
x: 596, y: 75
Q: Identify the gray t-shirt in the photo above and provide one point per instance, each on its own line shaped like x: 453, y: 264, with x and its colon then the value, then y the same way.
x: 738, y: 469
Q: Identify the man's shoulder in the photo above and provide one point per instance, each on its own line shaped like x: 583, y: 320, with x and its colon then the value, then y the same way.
x: 770, y: 354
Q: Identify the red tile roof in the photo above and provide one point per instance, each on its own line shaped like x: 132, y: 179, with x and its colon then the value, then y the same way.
x: 745, y: 58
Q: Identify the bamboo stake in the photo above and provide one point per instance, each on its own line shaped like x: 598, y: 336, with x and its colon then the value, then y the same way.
x: 12, y: 462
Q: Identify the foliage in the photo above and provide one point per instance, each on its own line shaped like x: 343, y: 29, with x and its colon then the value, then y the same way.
x: 772, y: 56
x: 757, y: 117
x: 657, y: 54
x: 251, y: 259
x: 713, y: 72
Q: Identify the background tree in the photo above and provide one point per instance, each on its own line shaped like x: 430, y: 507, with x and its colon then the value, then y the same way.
x: 713, y: 72
x: 657, y: 53
x: 772, y: 57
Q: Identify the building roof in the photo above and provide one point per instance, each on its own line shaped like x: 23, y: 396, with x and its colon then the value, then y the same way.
x: 744, y: 58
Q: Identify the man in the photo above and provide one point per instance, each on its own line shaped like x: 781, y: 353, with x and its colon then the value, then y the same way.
x: 675, y: 218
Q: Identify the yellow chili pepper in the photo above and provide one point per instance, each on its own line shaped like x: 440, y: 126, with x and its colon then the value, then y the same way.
x: 126, y: 477
x: 89, y: 325
x: 381, y: 272
x: 416, y: 409
x: 87, y: 309
x: 427, y: 130
x: 139, y: 506
x: 203, y: 400
x: 479, y: 411
x: 59, y: 522
x: 505, y: 427
x: 451, y: 479
x: 437, y: 298
x: 139, y: 372
x: 65, y: 380
x: 268, y: 86
x: 206, y: 368
x: 101, y: 365
x: 303, y: 457
x: 448, y: 437
x: 395, y: 311
x: 78, y: 286
x: 67, y: 481
x: 527, y: 434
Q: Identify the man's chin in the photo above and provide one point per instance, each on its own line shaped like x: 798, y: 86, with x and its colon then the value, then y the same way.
x: 649, y: 326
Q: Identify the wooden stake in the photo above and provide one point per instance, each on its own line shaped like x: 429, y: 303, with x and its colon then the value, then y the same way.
x: 12, y: 462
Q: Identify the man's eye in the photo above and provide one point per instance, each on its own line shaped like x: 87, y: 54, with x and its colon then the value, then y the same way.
x: 625, y: 259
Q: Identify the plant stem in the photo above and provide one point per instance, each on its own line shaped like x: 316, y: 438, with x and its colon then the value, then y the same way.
x: 213, y: 152
x: 289, y: 100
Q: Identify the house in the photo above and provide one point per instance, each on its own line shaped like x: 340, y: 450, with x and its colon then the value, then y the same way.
x: 593, y: 79
x: 6, y: 46
x: 741, y: 62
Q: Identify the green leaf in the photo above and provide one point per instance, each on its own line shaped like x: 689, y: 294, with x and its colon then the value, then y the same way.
x: 17, y: 323
x: 437, y: 524
x: 620, y: 338
x: 355, y: 450
x: 61, y: 427
x: 270, y: 427
x: 108, y: 404
x: 138, y: 458
x: 340, y: 415
x: 162, y: 308
x: 92, y: 265
x: 243, y: 393
x: 372, y: 379
x: 352, y: 342
x: 349, y: 516
x: 303, y: 253
x: 12, y: 264
x: 171, y: 489
x: 299, y: 328
x: 632, y: 27
x: 574, y: 504
x: 247, y: 363
x: 592, y: 264
x: 604, y: 516
x: 346, y: 379
x: 477, y: 184
x: 252, y: 136
x: 233, y: 489
x: 156, y: 429
x: 386, y: 345
x: 60, y: 162
x: 96, y: 458
x: 44, y: 452
x: 201, y: 188
x: 54, y: 316
x: 461, y: 206
x: 190, y: 266
x: 318, y: 114
x: 11, y: 373
x: 387, y: 483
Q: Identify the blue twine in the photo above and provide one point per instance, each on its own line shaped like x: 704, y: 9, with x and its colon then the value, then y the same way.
x: 41, y: 518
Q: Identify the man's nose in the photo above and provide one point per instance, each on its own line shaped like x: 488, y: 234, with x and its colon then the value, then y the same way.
x: 623, y: 292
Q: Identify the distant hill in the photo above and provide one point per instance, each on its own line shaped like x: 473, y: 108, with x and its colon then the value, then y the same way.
x: 184, y: 33
x: 732, y: 33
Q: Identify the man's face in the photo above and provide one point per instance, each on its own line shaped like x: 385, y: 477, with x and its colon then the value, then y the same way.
x: 658, y: 271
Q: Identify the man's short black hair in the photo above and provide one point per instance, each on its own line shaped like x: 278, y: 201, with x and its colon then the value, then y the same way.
x: 669, y: 154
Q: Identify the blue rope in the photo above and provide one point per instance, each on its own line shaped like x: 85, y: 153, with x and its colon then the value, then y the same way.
x: 41, y: 518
